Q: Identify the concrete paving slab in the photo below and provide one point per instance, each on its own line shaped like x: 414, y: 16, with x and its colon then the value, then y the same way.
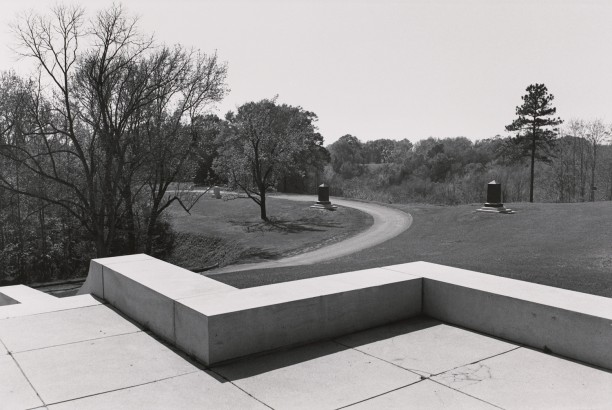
x: 322, y: 376
x: 54, y: 305
x: 81, y: 369
x: 66, y: 326
x: 426, y: 346
x: 198, y: 390
x: 15, y: 391
x: 423, y: 395
x: 529, y: 379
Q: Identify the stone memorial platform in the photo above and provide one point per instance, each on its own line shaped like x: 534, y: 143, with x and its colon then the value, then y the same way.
x: 147, y: 334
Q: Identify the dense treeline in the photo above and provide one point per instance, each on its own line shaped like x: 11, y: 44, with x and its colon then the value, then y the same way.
x: 456, y: 170
x: 91, y: 143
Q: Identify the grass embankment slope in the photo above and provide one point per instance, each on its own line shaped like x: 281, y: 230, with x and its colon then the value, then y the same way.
x: 562, y: 245
x: 220, y: 231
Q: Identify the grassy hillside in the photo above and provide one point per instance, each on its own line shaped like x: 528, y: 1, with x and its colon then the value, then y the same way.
x: 230, y: 231
x: 562, y: 245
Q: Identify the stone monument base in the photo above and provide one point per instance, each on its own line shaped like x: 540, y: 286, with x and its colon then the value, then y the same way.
x: 496, y: 209
x: 324, y: 205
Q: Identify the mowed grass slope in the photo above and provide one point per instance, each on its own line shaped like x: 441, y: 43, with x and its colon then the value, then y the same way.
x: 225, y: 232
x: 561, y: 245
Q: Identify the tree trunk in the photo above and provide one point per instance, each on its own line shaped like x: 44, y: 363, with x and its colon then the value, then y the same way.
x: 593, y: 171
x: 262, y: 204
x: 533, y: 150
x: 130, y: 224
x: 151, y: 228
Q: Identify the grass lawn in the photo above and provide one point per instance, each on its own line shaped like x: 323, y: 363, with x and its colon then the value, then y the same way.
x: 562, y: 245
x: 230, y: 231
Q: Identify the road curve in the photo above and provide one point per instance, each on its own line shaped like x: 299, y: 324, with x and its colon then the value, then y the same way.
x: 388, y: 223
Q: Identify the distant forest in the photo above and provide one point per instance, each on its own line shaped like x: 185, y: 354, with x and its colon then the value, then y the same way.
x: 450, y: 171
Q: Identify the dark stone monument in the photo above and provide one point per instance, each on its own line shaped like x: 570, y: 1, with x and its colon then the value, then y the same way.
x: 323, y: 202
x: 494, y: 200
x: 323, y: 193
x: 494, y: 195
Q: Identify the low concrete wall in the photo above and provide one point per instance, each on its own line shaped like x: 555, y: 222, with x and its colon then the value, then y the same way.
x: 216, y: 322
x: 567, y: 323
x: 259, y: 319
x: 145, y: 289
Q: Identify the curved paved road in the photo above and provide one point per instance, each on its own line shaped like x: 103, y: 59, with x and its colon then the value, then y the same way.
x: 388, y: 223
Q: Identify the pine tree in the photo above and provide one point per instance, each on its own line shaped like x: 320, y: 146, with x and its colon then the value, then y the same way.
x: 535, y: 126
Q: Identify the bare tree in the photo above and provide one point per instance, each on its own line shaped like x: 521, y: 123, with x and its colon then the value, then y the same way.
x: 596, y: 133
x: 103, y: 113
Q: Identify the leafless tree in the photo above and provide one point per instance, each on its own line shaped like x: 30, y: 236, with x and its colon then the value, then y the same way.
x: 115, y: 120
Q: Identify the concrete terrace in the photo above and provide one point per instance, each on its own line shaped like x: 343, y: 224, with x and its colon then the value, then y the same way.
x: 408, y: 336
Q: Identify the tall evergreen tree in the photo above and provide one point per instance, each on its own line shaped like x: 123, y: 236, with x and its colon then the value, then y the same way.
x: 535, y: 125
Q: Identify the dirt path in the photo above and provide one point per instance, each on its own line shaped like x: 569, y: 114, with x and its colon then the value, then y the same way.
x: 388, y: 223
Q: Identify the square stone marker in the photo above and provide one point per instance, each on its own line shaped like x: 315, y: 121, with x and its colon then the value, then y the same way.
x: 318, y: 376
x: 423, y: 395
x: 198, y: 390
x: 15, y: 391
x: 526, y: 378
x: 66, y: 326
x: 425, y: 346
x: 81, y: 369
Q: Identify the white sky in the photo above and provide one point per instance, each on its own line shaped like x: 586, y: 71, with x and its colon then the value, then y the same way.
x: 389, y: 69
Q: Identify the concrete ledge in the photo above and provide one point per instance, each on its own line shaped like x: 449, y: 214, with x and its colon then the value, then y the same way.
x: 216, y: 322
x: 144, y: 288
x: 243, y: 322
x: 571, y: 324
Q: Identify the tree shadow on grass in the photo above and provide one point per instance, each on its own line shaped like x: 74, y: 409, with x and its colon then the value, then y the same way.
x: 258, y: 253
x: 287, y: 226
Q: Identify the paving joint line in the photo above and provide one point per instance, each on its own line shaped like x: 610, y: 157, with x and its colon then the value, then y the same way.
x: 379, y: 395
x: 101, y: 302
x: 124, y: 388
x: 78, y: 341
x: 210, y: 369
x: 383, y: 360
x: 478, y: 361
x: 27, y: 379
x: 467, y: 394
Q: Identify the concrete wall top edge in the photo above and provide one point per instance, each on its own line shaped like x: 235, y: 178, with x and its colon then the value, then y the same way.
x: 165, y: 278
x: 252, y: 298
x: 546, y: 295
x: 123, y: 259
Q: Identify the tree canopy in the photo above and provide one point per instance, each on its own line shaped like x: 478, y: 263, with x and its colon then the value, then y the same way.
x: 535, y: 126
x: 264, y: 141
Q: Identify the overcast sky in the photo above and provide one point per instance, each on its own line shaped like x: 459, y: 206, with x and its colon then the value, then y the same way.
x: 389, y: 69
